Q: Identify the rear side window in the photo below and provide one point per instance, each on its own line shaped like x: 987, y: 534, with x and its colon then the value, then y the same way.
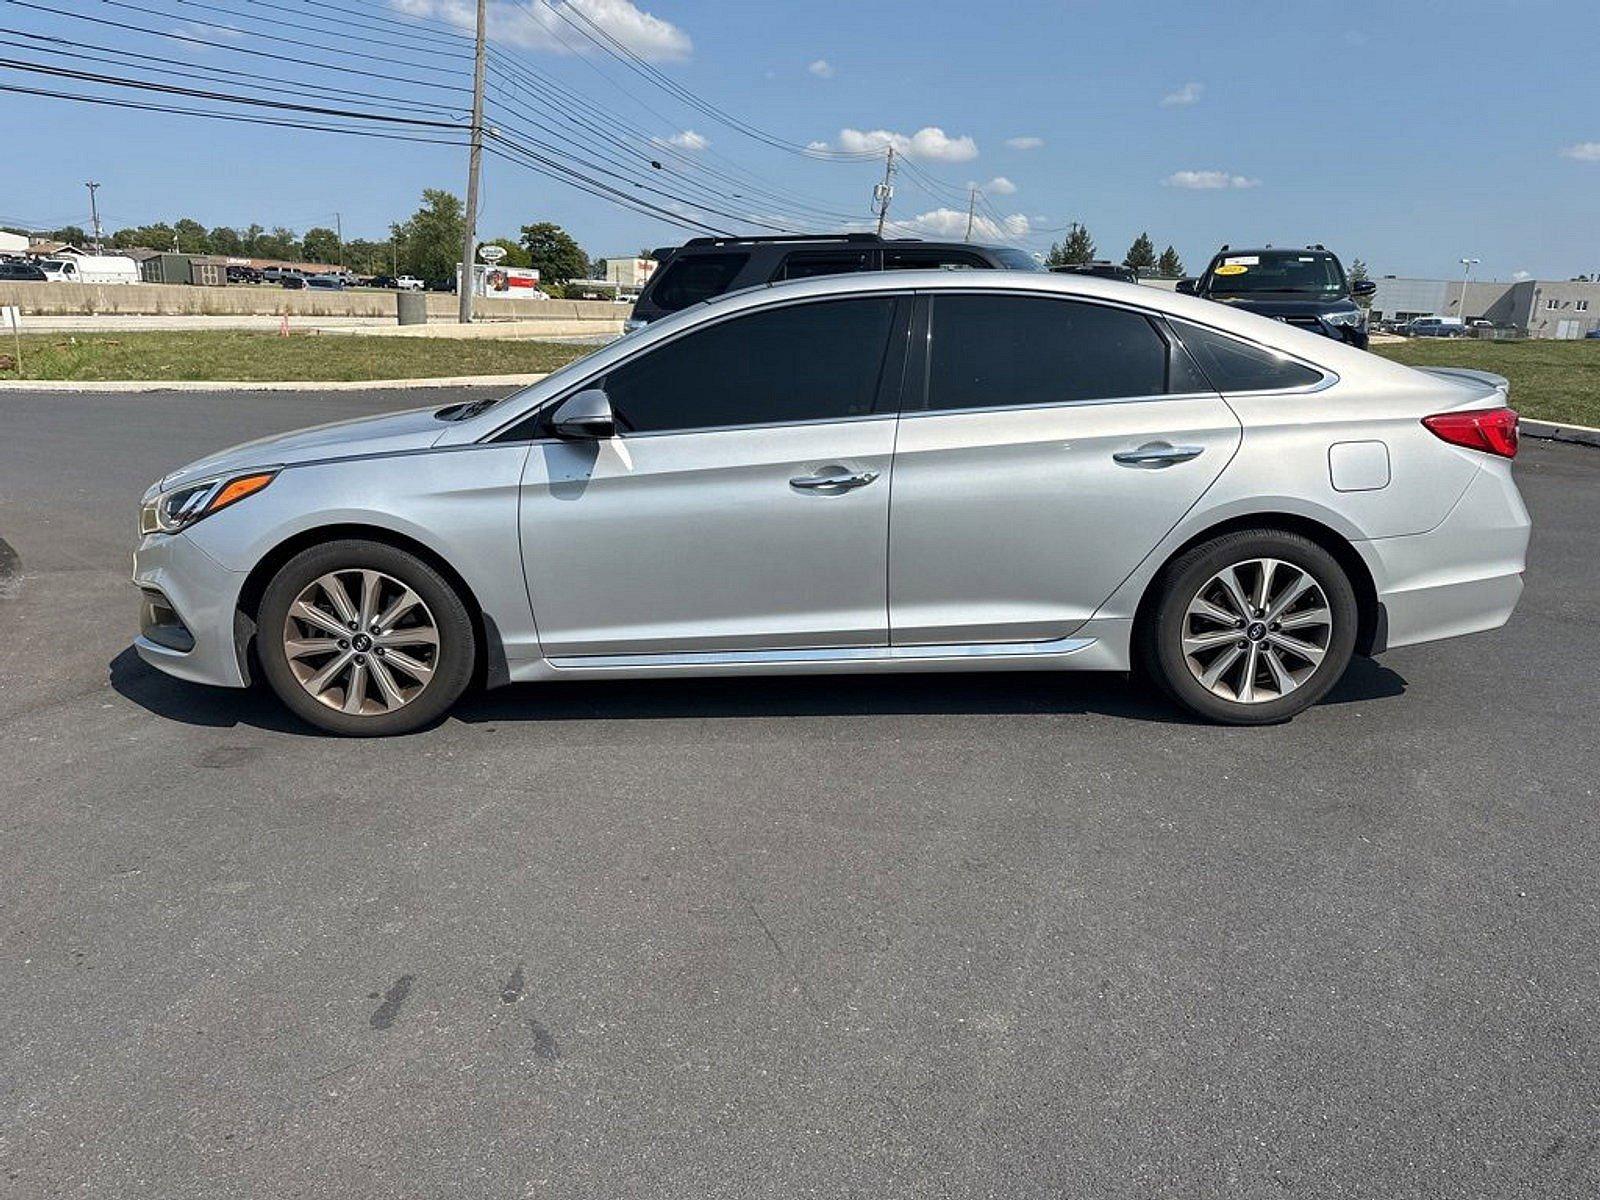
x: 803, y: 362
x: 931, y: 260
x: 809, y: 266
x: 1003, y: 351
x: 1235, y: 366
x: 687, y: 281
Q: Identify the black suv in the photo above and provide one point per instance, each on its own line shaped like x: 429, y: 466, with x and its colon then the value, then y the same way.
x: 709, y: 266
x: 1306, y: 287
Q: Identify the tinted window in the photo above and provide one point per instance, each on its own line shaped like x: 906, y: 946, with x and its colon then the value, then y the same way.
x: 805, y: 362
x: 1234, y: 366
x: 931, y: 260
x: 989, y: 351
x: 807, y: 266
x: 699, y: 277
x: 1017, y: 260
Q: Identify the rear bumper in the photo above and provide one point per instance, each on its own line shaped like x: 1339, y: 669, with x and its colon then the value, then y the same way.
x: 1463, y: 576
x: 188, y: 602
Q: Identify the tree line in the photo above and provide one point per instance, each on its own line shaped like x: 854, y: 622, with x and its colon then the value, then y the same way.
x: 1079, y: 248
x: 426, y: 244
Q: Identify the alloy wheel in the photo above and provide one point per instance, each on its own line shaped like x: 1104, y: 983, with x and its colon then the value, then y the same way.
x: 1257, y: 630
x: 361, y: 642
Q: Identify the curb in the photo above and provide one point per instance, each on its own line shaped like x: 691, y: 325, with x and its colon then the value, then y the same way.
x: 1578, y: 435
x: 275, y: 385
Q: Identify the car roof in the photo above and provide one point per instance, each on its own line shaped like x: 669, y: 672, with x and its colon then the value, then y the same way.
x: 1233, y: 250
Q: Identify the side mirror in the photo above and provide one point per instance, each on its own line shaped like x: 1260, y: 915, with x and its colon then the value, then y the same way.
x: 1187, y: 286
x: 1363, y: 287
x: 586, y: 416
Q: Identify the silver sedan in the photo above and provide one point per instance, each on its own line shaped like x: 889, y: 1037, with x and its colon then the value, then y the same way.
x: 901, y: 472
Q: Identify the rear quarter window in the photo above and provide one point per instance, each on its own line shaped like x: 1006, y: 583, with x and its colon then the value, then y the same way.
x: 1234, y: 366
x: 686, y: 281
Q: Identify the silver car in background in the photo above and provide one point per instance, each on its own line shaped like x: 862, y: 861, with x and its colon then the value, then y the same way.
x: 898, y: 472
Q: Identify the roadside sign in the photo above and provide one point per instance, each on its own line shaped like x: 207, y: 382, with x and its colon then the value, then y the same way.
x: 491, y: 253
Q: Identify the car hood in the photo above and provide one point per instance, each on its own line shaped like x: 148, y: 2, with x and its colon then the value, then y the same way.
x: 415, y: 429
x: 1286, y: 306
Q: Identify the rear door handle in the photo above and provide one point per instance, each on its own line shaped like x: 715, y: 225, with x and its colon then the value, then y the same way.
x: 833, y: 480
x: 1157, y: 454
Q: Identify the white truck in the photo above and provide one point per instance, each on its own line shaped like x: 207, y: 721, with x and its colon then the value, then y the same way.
x: 90, y: 268
x: 408, y: 283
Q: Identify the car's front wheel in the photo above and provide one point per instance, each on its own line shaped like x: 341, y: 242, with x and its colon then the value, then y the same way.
x: 1251, y: 627
x: 364, y: 638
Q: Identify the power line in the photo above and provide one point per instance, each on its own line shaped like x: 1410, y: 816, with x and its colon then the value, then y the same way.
x: 298, y: 60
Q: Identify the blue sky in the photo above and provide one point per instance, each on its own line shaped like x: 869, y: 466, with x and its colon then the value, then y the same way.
x: 1409, y: 135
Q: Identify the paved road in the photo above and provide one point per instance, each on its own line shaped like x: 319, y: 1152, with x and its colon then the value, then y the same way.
x: 941, y: 936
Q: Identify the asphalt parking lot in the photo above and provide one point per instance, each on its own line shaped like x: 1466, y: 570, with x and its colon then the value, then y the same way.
x: 961, y: 936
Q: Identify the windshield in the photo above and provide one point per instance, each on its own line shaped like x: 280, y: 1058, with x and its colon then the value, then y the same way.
x: 1306, y: 272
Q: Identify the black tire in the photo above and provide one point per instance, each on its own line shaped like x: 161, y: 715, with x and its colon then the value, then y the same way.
x: 1159, y: 639
x: 452, y: 662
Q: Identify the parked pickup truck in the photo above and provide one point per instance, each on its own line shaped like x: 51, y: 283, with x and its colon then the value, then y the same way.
x: 409, y: 283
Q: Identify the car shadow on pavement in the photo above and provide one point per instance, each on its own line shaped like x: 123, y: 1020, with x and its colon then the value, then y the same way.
x: 930, y: 694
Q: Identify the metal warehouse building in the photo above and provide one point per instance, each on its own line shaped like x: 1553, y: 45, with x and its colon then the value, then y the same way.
x: 1541, y: 308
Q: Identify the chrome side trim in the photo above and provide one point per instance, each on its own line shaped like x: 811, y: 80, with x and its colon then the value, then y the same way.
x: 836, y: 654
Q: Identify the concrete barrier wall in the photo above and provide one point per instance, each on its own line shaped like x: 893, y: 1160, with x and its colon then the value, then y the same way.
x: 160, y: 299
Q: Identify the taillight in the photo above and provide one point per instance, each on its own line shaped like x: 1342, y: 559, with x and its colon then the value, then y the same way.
x: 1492, y: 430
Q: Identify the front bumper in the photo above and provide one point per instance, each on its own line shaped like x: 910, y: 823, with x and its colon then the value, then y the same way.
x: 188, y: 599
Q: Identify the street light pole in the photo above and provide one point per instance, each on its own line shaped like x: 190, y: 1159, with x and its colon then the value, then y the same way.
x: 469, y: 238
x: 1467, y: 264
x: 972, y: 208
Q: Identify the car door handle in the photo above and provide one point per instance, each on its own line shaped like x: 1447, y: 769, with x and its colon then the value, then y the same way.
x: 833, y: 481
x: 1157, y: 454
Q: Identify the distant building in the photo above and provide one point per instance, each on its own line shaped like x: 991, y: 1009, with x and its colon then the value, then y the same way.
x: 1540, y: 308
x: 630, y: 273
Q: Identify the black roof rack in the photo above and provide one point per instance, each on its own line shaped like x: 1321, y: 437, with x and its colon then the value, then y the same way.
x: 737, y: 240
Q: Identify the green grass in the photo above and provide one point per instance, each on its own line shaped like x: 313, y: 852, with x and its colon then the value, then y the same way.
x: 258, y: 357
x: 1550, y: 381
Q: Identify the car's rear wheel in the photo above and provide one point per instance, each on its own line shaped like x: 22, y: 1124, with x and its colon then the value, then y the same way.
x: 1251, y: 627
x: 364, y: 638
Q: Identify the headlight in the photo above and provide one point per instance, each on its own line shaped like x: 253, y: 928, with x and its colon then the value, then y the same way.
x: 1347, y: 316
x: 184, y: 505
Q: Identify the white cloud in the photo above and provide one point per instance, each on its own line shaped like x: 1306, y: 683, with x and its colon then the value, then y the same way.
x: 687, y: 140
x: 999, y: 186
x: 817, y: 146
x: 1208, y: 180
x: 1519, y: 276
x: 1024, y: 143
x: 1582, y: 151
x: 952, y: 223
x: 822, y: 69
x: 543, y: 27
x: 1186, y: 95
x: 930, y: 143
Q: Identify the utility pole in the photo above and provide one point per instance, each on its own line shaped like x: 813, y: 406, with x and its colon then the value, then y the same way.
x: 94, y: 215
x: 884, y: 192
x: 469, y: 240
x: 338, y: 232
x: 972, y: 208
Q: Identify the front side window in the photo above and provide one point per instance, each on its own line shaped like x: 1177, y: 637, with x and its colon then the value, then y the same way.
x: 687, y: 281
x: 803, y: 362
x: 809, y: 266
x: 1235, y: 366
x: 1005, y: 351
